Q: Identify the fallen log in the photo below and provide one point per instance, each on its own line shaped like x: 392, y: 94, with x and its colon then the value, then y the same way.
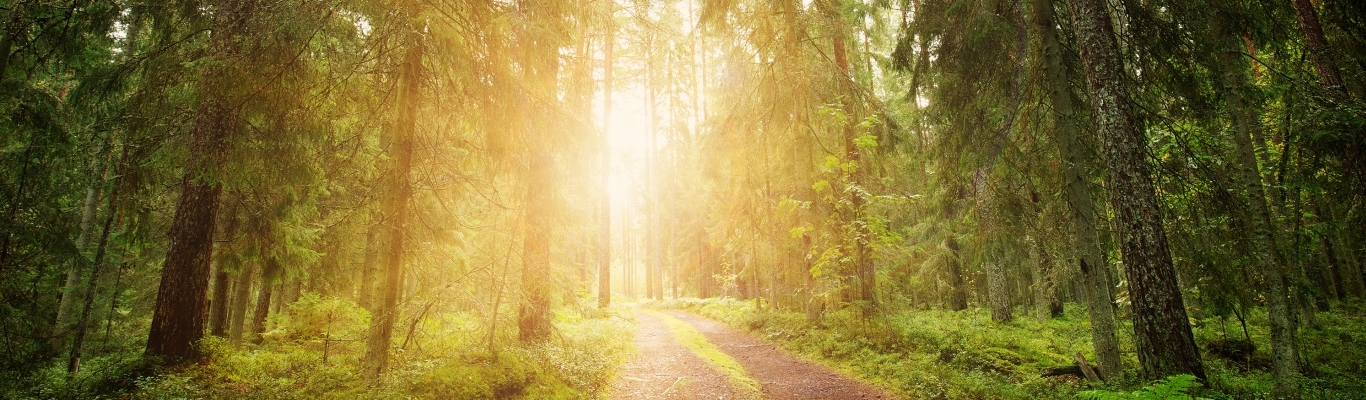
x: 1081, y: 370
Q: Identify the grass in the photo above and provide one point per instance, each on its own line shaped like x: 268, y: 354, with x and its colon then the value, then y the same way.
x: 937, y: 354
x: 692, y: 339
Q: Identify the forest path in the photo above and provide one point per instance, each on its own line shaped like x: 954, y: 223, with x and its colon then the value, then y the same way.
x: 684, y: 356
x: 664, y: 368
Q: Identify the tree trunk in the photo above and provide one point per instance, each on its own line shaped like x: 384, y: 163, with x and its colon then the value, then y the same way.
x: 400, y: 191
x: 263, y: 299
x: 998, y: 294
x: 66, y: 306
x: 1162, y: 333
x: 7, y: 35
x: 540, y: 72
x: 649, y: 199
x: 533, y: 316
x: 1085, y: 241
x: 1285, y: 360
x: 241, y: 298
x: 218, y: 308
x: 1319, y: 52
x: 182, y: 297
x: 369, y: 266
x: 78, y: 339
x: 1045, y: 281
x: 1334, y: 265
x: 864, y: 274
x: 958, y: 294
x: 604, y: 242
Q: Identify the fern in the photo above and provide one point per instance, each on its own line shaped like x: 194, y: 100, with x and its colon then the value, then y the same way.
x: 1172, y: 387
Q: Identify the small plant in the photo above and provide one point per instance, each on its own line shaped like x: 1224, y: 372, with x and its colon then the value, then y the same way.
x: 1172, y: 387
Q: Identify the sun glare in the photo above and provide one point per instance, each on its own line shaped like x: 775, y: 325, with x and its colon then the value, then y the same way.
x: 628, y: 137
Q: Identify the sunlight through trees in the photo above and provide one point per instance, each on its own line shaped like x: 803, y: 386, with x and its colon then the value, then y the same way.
x: 387, y: 195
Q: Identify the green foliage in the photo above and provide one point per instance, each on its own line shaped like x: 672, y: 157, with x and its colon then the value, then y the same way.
x: 315, y: 317
x: 1172, y: 387
x: 291, y: 366
x: 963, y: 355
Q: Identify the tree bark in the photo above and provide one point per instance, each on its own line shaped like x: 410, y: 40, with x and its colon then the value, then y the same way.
x: 864, y: 274
x: 7, y: 34
x: 958, y: 293
x: 1319, y: 52
x: 533, y: 316
x: 654, y: 246
x: 1045, y: 292
x: 1162, y: 333
x: 998, y: 294
x: 1334, y: 265
x: 1085, y: 241
x: 182, y: 297
x: 540, y: 72
x: 400, y: 191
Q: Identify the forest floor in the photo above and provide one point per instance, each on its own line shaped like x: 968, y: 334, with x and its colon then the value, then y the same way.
x: 684, y: 356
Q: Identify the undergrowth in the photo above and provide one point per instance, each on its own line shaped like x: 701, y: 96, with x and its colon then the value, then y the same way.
x: 937, y: 354
x: 447, y: 357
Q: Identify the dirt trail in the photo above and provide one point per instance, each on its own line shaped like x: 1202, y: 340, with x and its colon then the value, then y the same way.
x: 665, y: 369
